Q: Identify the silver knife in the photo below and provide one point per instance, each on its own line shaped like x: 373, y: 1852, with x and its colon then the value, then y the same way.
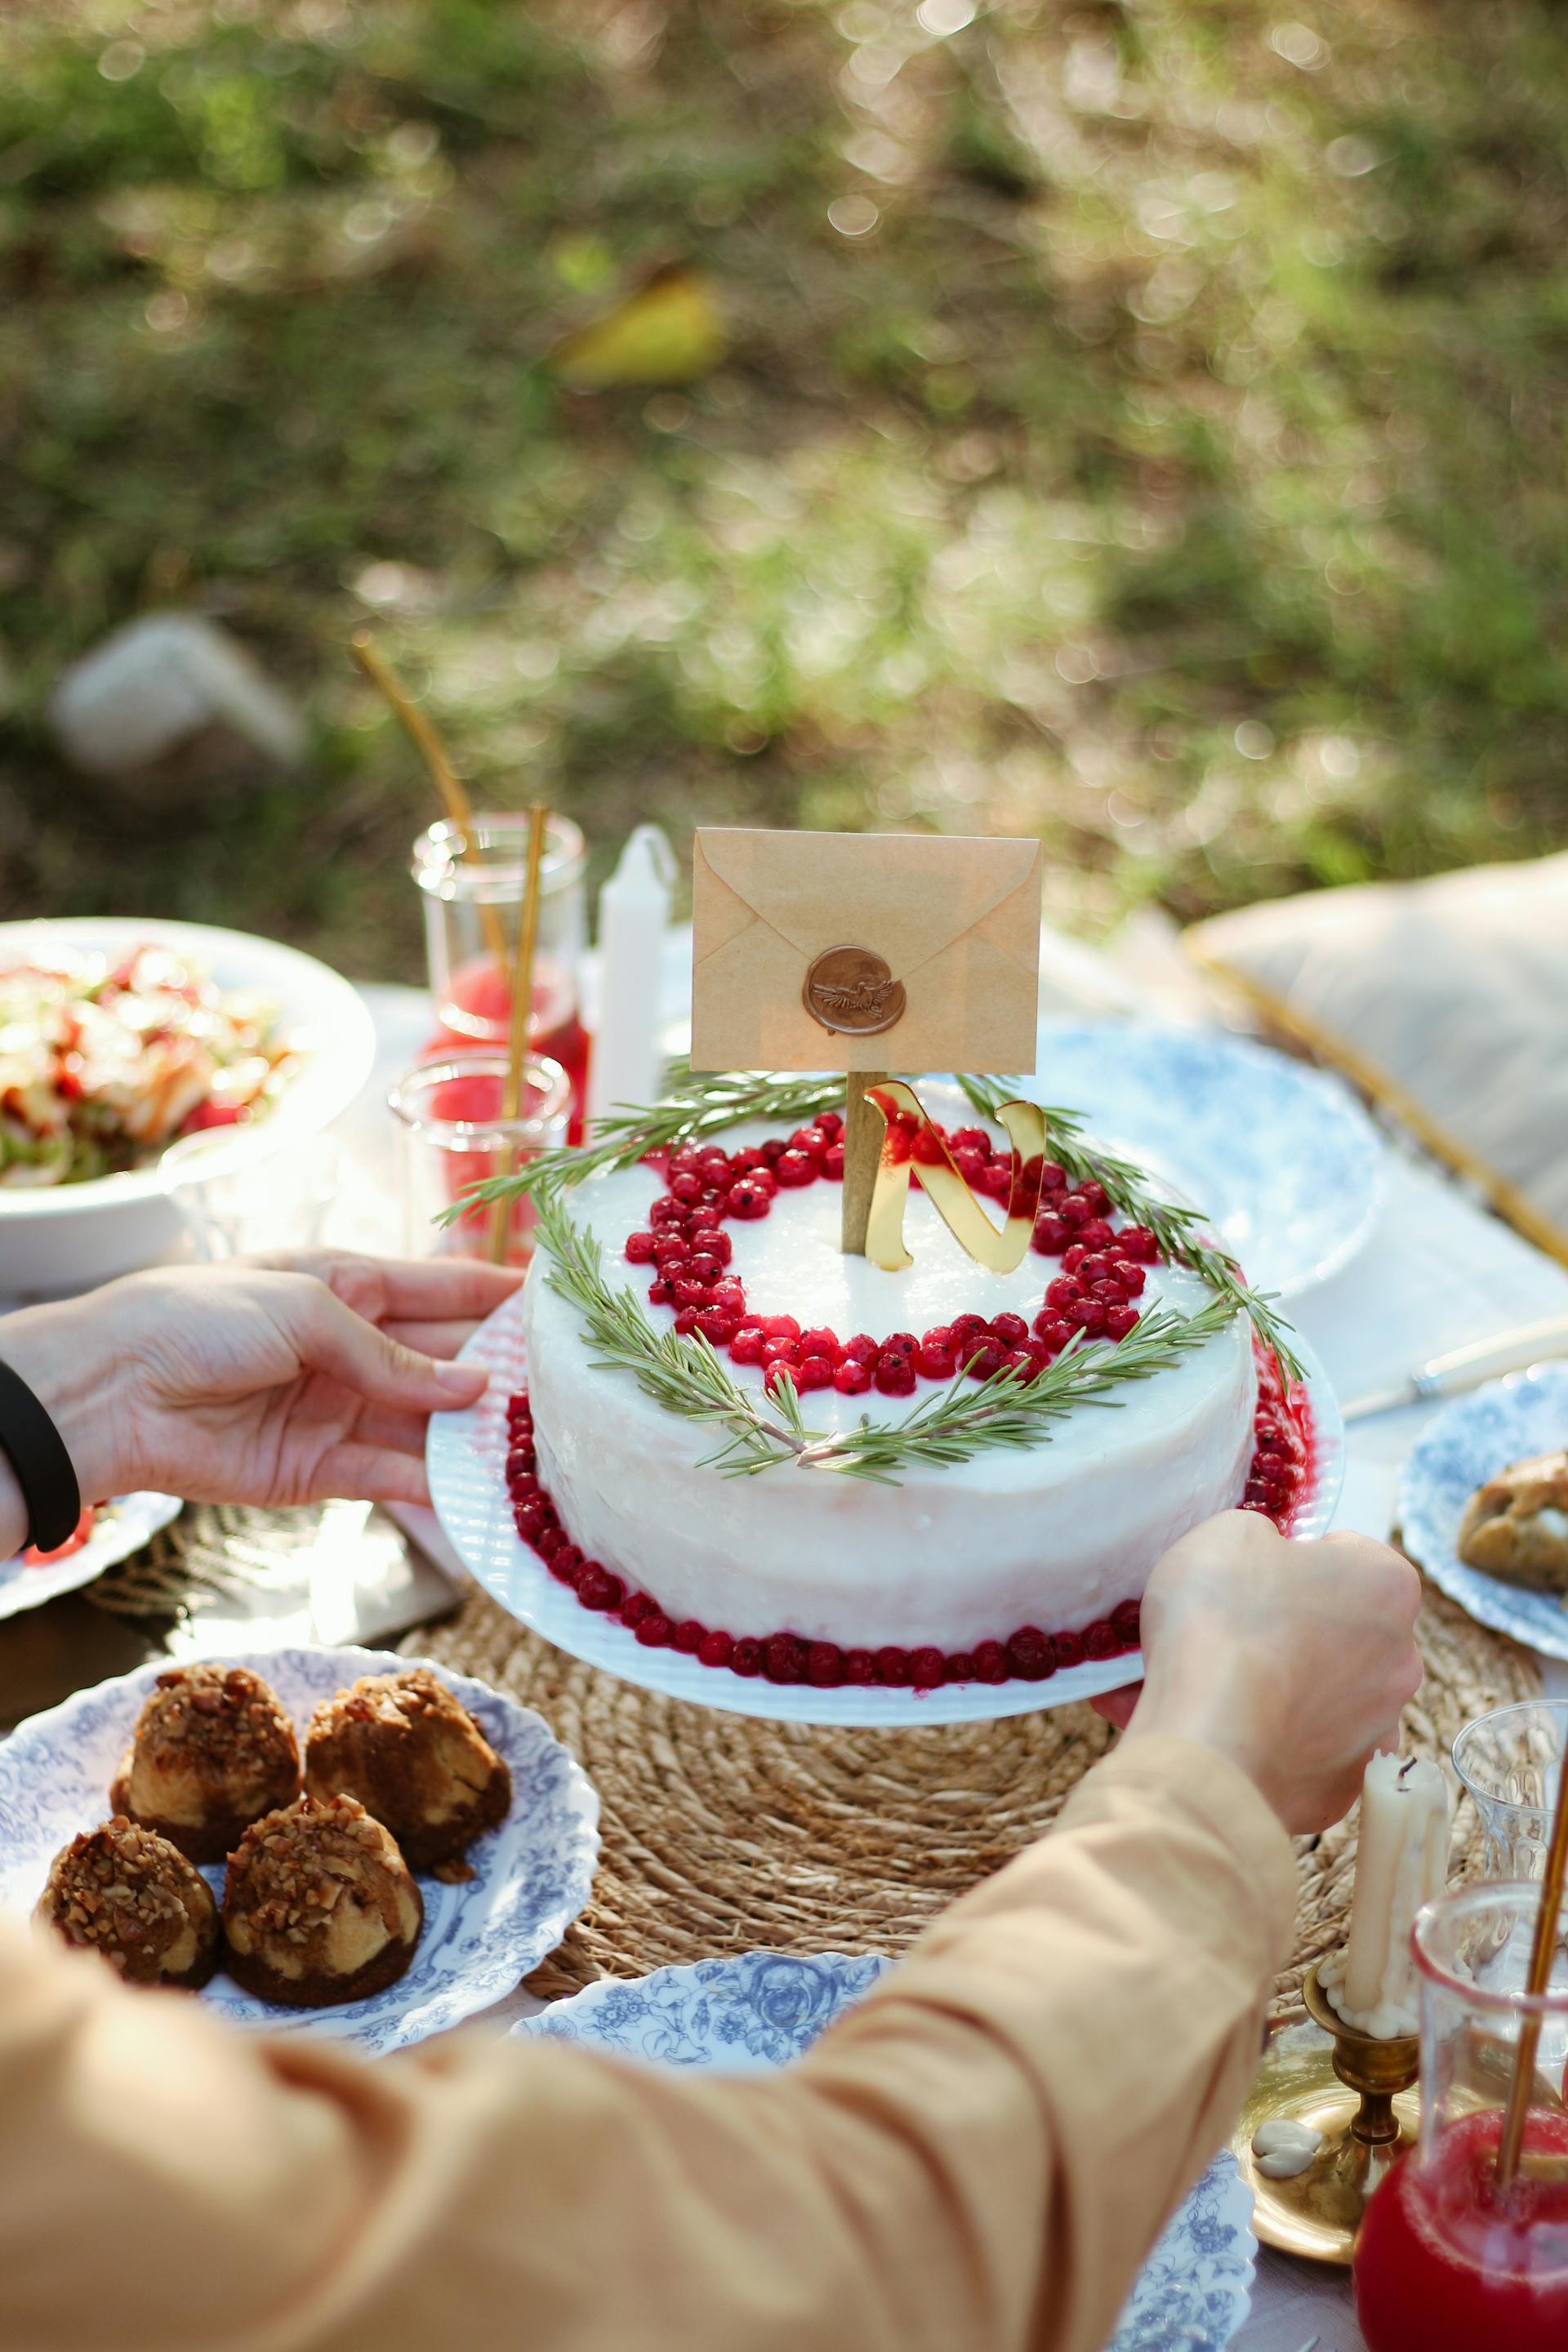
x: 1466, y: 1368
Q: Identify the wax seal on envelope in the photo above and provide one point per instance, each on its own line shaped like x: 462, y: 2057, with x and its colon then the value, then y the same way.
x: 851, y: 990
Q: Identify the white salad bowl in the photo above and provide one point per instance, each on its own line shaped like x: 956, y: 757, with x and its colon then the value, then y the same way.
x: 60, y: 1238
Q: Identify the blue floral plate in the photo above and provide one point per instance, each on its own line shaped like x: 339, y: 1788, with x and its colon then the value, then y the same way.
x: 1479, y: 1435
x: 1283, y: 1161
x: 746, y: 2015
x: 531, y: 1878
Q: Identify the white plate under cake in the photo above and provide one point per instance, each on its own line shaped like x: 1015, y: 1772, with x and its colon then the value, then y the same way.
x: 956, y: 1581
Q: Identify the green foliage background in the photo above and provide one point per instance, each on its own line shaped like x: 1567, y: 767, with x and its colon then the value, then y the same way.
x: 1143, y: 426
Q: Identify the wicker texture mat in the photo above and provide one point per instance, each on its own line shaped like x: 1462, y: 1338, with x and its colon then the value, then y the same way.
x: 721, y: 1834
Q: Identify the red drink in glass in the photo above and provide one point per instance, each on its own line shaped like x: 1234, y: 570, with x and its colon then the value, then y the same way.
x: 476, y: 1010
x: 1444, y: 2263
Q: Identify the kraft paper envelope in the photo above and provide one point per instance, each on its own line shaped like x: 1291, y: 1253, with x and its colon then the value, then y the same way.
x: 956, y: 922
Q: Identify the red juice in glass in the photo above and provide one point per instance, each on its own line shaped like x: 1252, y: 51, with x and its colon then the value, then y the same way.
x: 1444, y: 2263
x: 476, y: 1010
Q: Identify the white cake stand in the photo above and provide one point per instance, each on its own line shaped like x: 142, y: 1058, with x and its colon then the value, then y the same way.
x: 466, y: 1456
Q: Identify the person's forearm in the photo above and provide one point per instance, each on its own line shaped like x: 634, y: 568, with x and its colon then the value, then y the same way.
x: 53, y: 1349
x: 979, y: 2156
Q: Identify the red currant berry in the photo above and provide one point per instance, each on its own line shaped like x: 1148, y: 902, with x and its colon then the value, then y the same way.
x: 1097, y: 1234
x: 1074, y: 1209
x: 784, y: 1658
x: 820, y: 1341
x: 748, y: 1200
x: 1119, y: 1321
x: 703, y: 1266
x: 746, y: 1658
x: 893, y: 1667
x: 666, y: 1212
x: 1101, y: 1641
x: 635, y: 1607
x: 981, y: 1359
x: 779, y: 1326
x: 1095, y: 1267
x: 970, y: 1139
x: 810, y: 1139
x: 639, y: 1248
x: 971, y: 1164
x: 990, y: 1662
x: 833, y: 1163
x: 861, y: 1348
x: 689, y: 1638
x: 898, y: 1343
x: 1127, y: 1618
x: 774, y: 1150
x: 1096, y: 1196
x: 1064, y: 1293
x: 687, y: 1189
x: 859, y: 1666
x: 831, y: 1124
x: 1131, y: 1277
x: 716, y: 1327
x: 825, y: 1666
x: 659, y: 1293
x: 896, y: 1375
x: 730, y: 1295
x: 1053, y: 1178
x: 777, y: 1377
x: 967, y: 1328
x: 609, y: 1587
x: 686, y: 1321
x: 813, y: 1372
x: 1018, y: 1360
x: 566, y: 1564
x: 687, y: 1292
x: 926, y: 1668
x: 1139, y: 1243
x: 794, y: 1169
x: 852, y: 1377
x: 742, y: 1163
x: 1052, y: 1330
x: 1051, y: 1235
x: 1068, y: 1648
x: 777, y: 1349
x: 716, y: 1649
x: 996, y: 1177
x: 1089, y: 1315
x: 959, y: 1667
x: 935, y: 1363
x: 747, y: 1344
x: 655, y: 1632
x: 1032, y: 1655
x: 1011, y: 1329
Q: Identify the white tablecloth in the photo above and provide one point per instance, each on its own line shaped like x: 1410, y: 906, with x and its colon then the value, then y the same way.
x: 1437, y: 1273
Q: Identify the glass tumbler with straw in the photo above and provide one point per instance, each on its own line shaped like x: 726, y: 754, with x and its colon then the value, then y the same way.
x: 454, y: 1133
x: 1466, y: 2243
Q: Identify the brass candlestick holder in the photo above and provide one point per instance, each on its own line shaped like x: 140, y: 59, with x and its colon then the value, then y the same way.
x: 1359, y: 2094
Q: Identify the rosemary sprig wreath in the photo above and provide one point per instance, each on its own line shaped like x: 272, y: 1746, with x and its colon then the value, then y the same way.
x: 764, y: 1428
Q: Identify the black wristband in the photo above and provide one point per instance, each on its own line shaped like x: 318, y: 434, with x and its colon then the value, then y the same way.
x: 37, y: 1455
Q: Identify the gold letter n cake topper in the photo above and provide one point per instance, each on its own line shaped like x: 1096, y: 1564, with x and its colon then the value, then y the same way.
x: 911, y: 1142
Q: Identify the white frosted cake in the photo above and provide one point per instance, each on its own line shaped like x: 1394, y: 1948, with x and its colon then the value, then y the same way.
x: 948, y: 1567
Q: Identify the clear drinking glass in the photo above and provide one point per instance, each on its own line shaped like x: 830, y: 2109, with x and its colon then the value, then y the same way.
x: 233, y: 1203
x: 452, y: 1136
x: 1445, y: 2260
x: 468, y: 901
x: 1511, y: 1763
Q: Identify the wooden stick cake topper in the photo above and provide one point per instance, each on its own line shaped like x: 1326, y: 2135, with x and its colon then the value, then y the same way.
x: 861, y: 952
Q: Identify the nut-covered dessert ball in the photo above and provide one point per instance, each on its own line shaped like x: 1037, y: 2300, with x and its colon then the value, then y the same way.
x: 125, y: 1892
x: 212, y: 1751
x: 403, y: 1746
x: 318, y: 1907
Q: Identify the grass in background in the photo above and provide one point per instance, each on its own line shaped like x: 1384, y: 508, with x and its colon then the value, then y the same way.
x: 1139, y: 427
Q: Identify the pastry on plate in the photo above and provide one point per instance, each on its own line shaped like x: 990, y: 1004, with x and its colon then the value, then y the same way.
x: 1516, y: 1526
x: 212, y: 1751
x: 126, y: 1893
x: 403, y: 1744
x: 318, y: 1907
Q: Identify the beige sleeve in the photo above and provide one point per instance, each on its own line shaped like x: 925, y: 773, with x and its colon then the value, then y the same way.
x: 979, y: 2156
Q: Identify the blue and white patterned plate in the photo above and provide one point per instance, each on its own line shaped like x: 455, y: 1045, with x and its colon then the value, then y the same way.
x: 533, y: 1876
x: 746, y: 2015
x: 1282, y: 1160
x: 1480, y: 1434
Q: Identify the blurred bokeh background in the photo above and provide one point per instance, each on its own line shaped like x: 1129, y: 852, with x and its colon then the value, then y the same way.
x: 1142, y: 427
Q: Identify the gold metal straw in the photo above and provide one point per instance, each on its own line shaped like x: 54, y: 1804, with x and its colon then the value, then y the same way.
x: 432, y: 752
x: 521, y: 1010
x: 1511, y: 2146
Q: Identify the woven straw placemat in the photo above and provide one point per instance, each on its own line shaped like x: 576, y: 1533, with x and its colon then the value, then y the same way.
x: 721, y: 1834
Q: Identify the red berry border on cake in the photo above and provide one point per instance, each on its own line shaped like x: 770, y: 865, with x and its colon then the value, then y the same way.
x: 1103, y: 1269
x: 1279, y: 1484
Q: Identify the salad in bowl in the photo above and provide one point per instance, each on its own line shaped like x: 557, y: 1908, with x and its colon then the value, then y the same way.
x: 104, y: 1060
x: 118, y: 1035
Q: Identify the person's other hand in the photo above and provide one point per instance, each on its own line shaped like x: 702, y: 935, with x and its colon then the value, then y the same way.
x: 1294, y: 1659
x: 274, y: 1381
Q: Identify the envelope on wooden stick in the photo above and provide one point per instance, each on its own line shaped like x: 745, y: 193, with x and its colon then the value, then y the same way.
x: 864, y: 952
